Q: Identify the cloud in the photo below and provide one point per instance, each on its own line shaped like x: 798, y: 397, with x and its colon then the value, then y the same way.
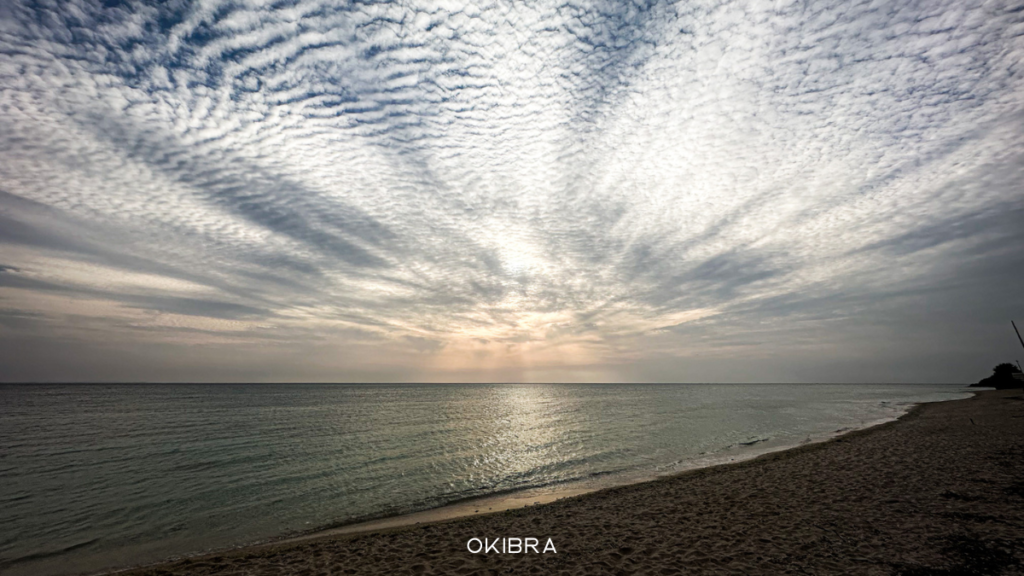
x: 505, y: 190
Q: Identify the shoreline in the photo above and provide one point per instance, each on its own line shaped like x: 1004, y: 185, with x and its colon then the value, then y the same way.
x: 538, y: 496
x: 520, y: 498
x: 746, y: 438
x: 446, y: 517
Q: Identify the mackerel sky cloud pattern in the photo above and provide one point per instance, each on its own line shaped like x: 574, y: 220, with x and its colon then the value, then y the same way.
x: 519, y: 191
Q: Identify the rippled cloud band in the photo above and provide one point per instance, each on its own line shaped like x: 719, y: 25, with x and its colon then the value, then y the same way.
x: 510, y: 191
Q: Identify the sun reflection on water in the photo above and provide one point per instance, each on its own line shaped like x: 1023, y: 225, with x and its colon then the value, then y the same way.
x: 519, y: 434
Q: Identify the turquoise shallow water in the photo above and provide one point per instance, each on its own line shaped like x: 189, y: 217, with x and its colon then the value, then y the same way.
x: 94, y: 477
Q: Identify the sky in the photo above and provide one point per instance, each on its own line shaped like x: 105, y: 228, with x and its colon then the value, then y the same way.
x: 440, y: 191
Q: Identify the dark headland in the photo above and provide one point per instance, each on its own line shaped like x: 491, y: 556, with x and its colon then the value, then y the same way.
x: 1004, y: 376
x: 940, y: 491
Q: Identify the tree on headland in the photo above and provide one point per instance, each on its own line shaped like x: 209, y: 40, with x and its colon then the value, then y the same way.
x: 1002, y: 377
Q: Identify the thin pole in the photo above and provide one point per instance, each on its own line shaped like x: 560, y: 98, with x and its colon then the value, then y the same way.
x: 1018, y: 338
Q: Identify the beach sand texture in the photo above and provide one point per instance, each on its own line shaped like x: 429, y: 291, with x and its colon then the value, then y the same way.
x: 941, y: 491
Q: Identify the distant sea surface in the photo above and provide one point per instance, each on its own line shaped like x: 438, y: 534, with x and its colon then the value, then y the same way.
x: 95, y: 477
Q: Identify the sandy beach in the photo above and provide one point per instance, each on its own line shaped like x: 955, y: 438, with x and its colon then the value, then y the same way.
x: 940, y: 491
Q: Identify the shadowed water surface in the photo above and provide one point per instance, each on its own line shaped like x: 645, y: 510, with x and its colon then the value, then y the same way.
x: 101, y: 476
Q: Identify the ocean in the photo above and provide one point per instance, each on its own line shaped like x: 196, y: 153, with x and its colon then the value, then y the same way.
x: 97, y: 477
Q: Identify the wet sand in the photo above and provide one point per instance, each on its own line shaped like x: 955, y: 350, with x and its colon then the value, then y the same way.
x: 940, y: 491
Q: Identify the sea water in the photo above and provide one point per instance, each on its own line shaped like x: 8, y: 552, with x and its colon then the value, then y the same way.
x: 95, y: 477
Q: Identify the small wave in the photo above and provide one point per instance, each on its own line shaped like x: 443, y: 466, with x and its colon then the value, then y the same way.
x: 47, y: 554
x: 14, y: 498
x: 754, y: 441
